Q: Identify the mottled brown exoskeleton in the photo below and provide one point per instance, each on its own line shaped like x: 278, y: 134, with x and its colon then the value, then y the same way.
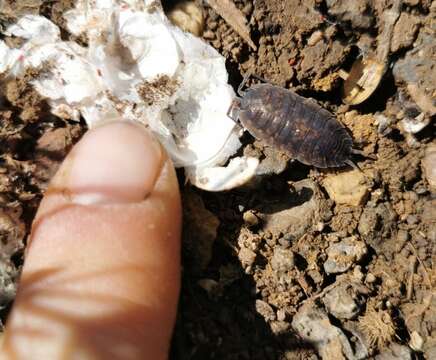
x: 296, y: 125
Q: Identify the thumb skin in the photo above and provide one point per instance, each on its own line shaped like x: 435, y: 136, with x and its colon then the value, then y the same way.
x: 101, y: 275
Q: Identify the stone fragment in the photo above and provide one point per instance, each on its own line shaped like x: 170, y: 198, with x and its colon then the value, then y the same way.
x: 295, y: 213
x: 416, y: 72
x: 313, y: 325
x: 376, y: 224
x: 315, y: 37
x: 247, y: 256
x: 347, y: 187
x: 416, y: 341
x: 273, y: 161
x: 265, y: 310
x: 279, y: 327
x: 281, y: 315
x: 344, y: 301
x: 342, y: 255
x: 395, y: 352
x: 405, y: 30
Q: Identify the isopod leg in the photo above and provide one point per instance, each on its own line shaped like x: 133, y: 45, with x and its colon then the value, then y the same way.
x: 242, y: 84
x: 360, y: 152
x: 353, y: 165
x: 233, y: 112
x: 245, y: 79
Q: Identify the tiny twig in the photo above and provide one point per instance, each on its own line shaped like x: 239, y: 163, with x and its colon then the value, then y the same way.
x: 234, y: 17
x: 426, y: 272
x: 412, y: 269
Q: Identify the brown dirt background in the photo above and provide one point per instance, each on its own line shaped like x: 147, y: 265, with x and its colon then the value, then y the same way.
x: 258, y: 260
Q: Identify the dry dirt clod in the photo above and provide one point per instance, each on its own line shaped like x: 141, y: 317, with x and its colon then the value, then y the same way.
x: 246, y: 256
x: 51, y: 148
x: 357, y: 12
x: 282, y: 260
x: 347, y: 188
x: 21, y: 93
x: 405, y: 30
x: 395, y: 352
x: 428, y: 164
x: 12, y: 232
x: 12, y: 10
x: 363, y: 130
x: 264, y: 309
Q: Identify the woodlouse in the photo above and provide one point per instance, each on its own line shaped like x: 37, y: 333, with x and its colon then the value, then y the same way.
x: 296, y: 125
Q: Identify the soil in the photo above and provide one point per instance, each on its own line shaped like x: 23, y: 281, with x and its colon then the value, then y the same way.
x: 301, y: 263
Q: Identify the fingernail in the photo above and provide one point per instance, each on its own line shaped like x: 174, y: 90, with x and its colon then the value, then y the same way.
x: 114, y: 163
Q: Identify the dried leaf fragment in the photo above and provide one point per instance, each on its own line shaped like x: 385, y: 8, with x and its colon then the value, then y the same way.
x: 234, y: 17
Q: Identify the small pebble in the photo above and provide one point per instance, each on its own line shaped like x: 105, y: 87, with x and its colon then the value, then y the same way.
x: 281, y: 315
x: 343, y: 302
x: 209, y: 35
x: 209, y: 285
x: 370, y: 278
x: 247, y: 10
x: 250, y: 218
x: 285, y: 242
x: 416, y: 341
x: 236, y: 51
x: 315, y: 37
x: 213, y: 25
x: 319, y: 226
x: 342, y: 255
x: 347, y: 187
x: 247, y: 256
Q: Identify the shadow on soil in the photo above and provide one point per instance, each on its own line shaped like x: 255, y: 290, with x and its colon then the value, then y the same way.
x: 217, y: 313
